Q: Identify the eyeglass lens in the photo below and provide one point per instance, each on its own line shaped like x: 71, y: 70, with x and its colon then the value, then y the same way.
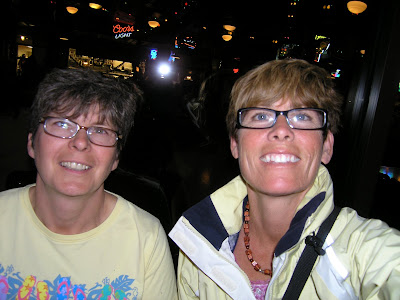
x: 65, y: 128
x: 304, y: 118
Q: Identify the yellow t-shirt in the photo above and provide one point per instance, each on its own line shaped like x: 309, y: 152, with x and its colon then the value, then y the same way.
x: 126, y: 257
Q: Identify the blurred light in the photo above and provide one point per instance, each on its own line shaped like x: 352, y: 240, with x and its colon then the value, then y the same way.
x: 362, y: 52
x: 153, y: 24
x: 229, y: 27
x: 22, y: 38
x: 164, y: 70
x: 226, y: 37
x: 189, y: 42
x: 320, y: 37
x: 94, y: 5
x: 64, y: 38
x: 153, y: 54
x: 392, y: 172
x: 356, y: 7
x: 173, y: 57
x: 336, y: 74
x: 72, y: 10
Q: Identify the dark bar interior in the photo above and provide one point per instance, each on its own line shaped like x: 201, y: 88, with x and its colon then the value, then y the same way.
x: 185, y: 56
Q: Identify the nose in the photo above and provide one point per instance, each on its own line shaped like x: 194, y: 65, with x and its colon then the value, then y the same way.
x: 80, y: 141
x: 281, y: 130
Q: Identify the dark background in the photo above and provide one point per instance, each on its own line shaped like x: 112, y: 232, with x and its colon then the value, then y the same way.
x: 179, y: 148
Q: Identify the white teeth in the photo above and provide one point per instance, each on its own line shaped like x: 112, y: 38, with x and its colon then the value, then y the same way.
x: 74, y: 166
x: 280, y: 158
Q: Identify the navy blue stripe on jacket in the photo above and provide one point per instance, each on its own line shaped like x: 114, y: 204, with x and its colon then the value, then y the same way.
x: 205, y: 219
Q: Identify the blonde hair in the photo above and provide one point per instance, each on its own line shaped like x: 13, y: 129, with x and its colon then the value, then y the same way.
x: 293, y: 80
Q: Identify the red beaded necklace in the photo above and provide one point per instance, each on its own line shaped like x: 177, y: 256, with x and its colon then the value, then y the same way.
x: 249, y: 254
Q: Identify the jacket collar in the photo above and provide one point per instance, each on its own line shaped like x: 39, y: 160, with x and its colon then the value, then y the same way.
x: 217, y: 217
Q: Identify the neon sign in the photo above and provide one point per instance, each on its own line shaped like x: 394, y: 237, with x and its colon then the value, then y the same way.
x: 336, y: 74
x: 153, y: 54
x: 122, y: 32
x: 320, y: 37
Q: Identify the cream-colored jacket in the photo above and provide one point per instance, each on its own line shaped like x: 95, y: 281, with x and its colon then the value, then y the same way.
x: 362, y: 259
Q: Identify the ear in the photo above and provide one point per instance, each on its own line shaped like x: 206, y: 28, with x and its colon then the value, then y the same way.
x: 31, y: 151
x: 234, y: 148
x: 115, y: 164
x: 116, y: 159
x: 327, y: 148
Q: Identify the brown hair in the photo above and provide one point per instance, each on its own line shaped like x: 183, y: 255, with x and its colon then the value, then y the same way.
x: 77, y: 92
x: 293, y: 80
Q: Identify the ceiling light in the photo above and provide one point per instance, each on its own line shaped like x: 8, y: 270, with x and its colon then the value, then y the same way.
x: 229, y: 27
x: 94, y: 5
x: 226, y: 37
x: 164, y: 69
x: 72, y: 10
x: 153, y: 24
x: 356, y: 7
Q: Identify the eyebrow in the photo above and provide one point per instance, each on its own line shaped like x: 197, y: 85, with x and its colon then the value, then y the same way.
x: 105, y: 124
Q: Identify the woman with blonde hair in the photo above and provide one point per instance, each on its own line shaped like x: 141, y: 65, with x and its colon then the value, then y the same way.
x: 253, y: 238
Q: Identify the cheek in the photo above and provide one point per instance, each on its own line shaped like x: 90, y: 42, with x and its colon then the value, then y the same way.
x: 108, y: 159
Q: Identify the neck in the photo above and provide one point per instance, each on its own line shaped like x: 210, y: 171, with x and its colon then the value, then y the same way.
x: 70, y: 215
x: 271, y: 216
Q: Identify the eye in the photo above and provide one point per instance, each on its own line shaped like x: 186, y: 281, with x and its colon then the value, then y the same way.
x: 260, y: 117
x: 61, y: 124
x: 100, y: 131
x: 302, y: 117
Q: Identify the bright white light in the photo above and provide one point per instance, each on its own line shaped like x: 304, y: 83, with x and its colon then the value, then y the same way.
x: 164, y: 69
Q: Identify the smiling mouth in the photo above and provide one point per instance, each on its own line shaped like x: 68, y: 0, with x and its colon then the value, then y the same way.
x: 74, y: 166
x: 280, y: 158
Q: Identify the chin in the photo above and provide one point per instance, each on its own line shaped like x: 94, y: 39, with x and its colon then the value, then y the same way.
x: 279, y: 190
x: 74, y: 189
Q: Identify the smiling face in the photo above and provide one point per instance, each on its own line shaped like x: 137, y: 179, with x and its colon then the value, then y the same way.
x: 72, y: 167
x: 281, y: 161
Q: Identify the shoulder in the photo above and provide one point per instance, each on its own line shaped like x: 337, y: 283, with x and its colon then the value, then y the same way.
x: 10, y: 197
x: 4, y: 195
x: 370, y: 251
x: 365, y: 238
x: 352, y: 223
x: 134, y: 214
x: 139, y: 224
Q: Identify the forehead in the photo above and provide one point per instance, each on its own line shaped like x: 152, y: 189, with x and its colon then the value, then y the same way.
x: 282, y: 103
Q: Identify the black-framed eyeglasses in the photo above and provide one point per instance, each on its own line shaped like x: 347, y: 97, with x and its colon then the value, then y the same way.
x: 67, y: 129
x: 298, y: 118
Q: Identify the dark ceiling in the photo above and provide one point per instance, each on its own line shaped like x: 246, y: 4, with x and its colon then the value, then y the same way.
x: 257, y: 23
x: 201, y: 19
